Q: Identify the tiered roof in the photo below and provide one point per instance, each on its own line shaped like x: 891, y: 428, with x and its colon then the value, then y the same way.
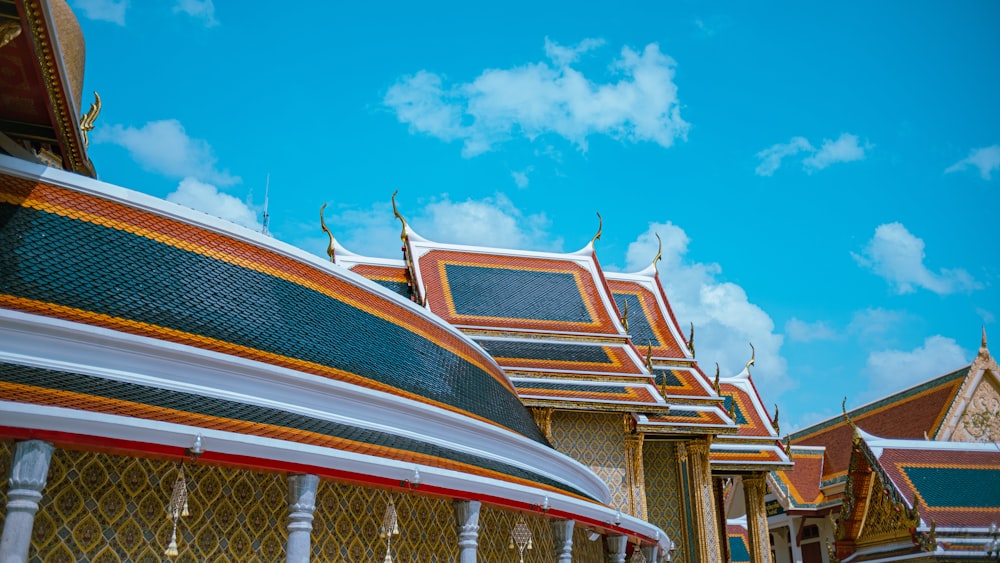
x: 913, y: 496
x: 556, y: 323
x: 943, y: 408
x: 756, y: 444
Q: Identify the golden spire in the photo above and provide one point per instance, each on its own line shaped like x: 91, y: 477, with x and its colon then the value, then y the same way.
x: 625, y: 316
x: 732, y: 407
x: 983, y: 350
x: 600, y: 227
x: 322, y: 224
x: 753, y: 358
x: 691, y: 339
x: 718, y: 389
x: 659, y: 249
x: 395, y: 212
x: 87, y: 119
x: 649, y: 355
x: 774, y: 422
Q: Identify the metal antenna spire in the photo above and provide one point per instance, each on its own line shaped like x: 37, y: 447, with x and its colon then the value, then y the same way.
x: 267, y: 186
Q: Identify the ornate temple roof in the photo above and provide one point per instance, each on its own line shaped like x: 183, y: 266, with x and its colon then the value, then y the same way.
x: 42, y: 52
x: 912, y: 496
x: 756, y: 443
x: 188, y: 325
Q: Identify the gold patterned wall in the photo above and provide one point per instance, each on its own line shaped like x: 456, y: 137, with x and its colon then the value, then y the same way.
x: 112, y: 509
x: 102, y: 508
x: 596, y: 440
x: 664, y: 501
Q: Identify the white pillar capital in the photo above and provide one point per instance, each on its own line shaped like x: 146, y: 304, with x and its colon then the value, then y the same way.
x: 301, y: 505
x: 467, y: 526
x: 562, y: 538
x: 28, y: 473
x: 617, y: 546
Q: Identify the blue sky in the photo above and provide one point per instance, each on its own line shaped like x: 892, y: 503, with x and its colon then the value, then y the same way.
x: 826, y: 177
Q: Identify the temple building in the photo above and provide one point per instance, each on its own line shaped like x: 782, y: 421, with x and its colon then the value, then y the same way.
x: 173, y: 385
x: 914, y: 476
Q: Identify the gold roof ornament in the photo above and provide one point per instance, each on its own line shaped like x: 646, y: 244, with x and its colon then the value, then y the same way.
x: 983, y: 350
x: 600, y: 228
x: 9, y: 31
x: 87, y: 120
x: 177, y: 508
x: 397, y: 215
x: 389, y: 528
x: 625, y: 316
x: 774, y: 422
x: 322, y: 224
x: 520, y: 538
x: 718, y: 388
x: 732, y: 407
x: 649, y: 355
x: 847, y: 417
x: 753, y: 358
x: 691, y: 339
x: 659, y: 249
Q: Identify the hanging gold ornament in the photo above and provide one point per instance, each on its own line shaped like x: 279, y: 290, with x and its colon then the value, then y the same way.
x: 389, y: 528
x: 177, y: 508
x: 520, y: 537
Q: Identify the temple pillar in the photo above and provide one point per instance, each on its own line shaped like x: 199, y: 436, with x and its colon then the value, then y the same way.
x: 707, y: 546
x: 301, y: 505
x: 635, y: 474
x: 617, y: 546
x: 562, y: 538
x: 28, y: 473
x: 719, y: 488
x: 754, y: 490
x: 651, y: 553
x: 467, y: 523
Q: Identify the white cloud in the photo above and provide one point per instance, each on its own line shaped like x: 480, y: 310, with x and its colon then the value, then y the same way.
x: 547, y: 98
x: 801, y: 331
x: 895, y: 254
x: 521, y: 176
x: 208, y: 199
x: 875, y: 323
x: 164, y: 147
x: 845, y: 149
x: 770, y: 158
x: 104, y: 10
x: 725, y: 320
x: 199, y: 9
x: 893, y: 370
x: 491, y: 221
x: 986, y: 159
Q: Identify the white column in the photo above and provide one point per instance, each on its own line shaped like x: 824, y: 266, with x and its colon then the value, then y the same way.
x: 616, y: 548
x: 28, y: 474
x: 301, y: 505
x: 467, y: 524
x: 651, y: 553
x: 562, y: 537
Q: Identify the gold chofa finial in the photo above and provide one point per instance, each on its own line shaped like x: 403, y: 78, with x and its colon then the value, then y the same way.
x: 753, y: 358
x: 984, y: 352
x: 600, y: 228
x: 395, y: 213
x: 659, y: 249
x: 777, y: 429
x: 718, y: 389
x: 625, y: 316
x: 322, y: 224
x: 9, y: 31
x: 87, y: 120
x: 847, y: 417
x: 691, y: 340
x: 649, y: 355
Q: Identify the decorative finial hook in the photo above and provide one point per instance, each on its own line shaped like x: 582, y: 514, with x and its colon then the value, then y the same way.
x: 625, y: 316
x: 691, y: 340
x: 649, y: 355
x: 322, y: 224
x: 87, y: 120
x: 718, y: 388
x: 659, y: 249
x: 777, y: 429
x: 397, y: 215
x: 753, y: 358
x: 847, y: 417
x: 600, y: 228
